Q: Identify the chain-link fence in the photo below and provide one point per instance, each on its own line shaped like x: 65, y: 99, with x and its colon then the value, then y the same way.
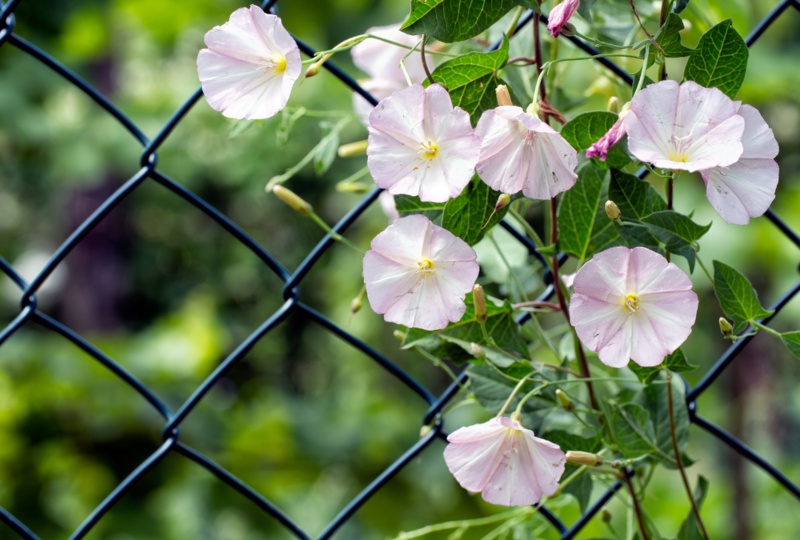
x: 30, y: 314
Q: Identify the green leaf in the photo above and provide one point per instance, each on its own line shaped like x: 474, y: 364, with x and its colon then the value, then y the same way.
x: 677, y: 232
x: 587, y: 128
x: 328, y: 146
x: 577, y: 211
x: 492, y: 390
x: 584, y: 10
x: 408, y: 204
x: 675, y: 362
x: 737, y: 297
x: 454, y: 20
x: 496, y: 356
x: 690, y: 528
x: 669, y: 37
x: 655, y: 400
x: 467, y: 216
x: 471, y: 80
x: 720, y: 59
x: 631, y: 430
x: 792, y: 342
x: 635, y: 198
x: 500, y: 324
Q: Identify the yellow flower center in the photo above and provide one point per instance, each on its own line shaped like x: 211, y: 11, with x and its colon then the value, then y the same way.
x: 631, y: 303
x: 279, y: 64
x: 425, y: 266
x: 429, y: 151
x: 680, y: 157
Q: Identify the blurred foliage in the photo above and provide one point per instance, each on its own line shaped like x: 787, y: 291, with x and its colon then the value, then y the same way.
x: 304, y: 419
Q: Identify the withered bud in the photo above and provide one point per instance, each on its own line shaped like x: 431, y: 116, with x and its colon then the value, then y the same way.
x: 612, y: 211
x: 477, y: 351
x: 568, y: 29
x: 479, y: 301
x: 584, y: 458
x: 725, y: 327
x: 291, y: 199
x: 503, y: 96
x: 613, y: 105
x: 564, y: 400
x: 605, y: 515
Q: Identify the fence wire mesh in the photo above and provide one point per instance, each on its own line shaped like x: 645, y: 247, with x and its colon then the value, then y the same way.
x: 30, y: 314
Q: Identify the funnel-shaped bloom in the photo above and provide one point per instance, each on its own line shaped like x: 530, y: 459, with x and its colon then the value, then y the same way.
x: 417, y: 274
x: 560, y: 14
x: 381, y: 61
x: 519, y: 152
x: 504, y: 462
x: 685, y: 127
x: 419, y: 144
x: 631, y: 304
x: 250, y: 65
x: 746, y: 188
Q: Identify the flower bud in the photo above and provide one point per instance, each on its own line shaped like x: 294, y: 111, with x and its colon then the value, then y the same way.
x: 584, y: 458
x: 399, y: 336
x: 613, y: 105
x: 291, y: 199
x: 503, y: 96
x: 424, y: 430
x: 355, y: 305
x: 477, y: 351
x: 347, y: 186
x: 353, y: 149
x: 564, y: 400
x: 479, y: 302
x: 612, y: 211
x: 725, y: 327
x: 502, y: 201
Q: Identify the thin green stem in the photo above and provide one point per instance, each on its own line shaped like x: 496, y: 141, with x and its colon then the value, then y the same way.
x: 766, y: 329
x: 511, y: 272
x: 466, y: 523
x: 511, y: 397
x: 679, y: 460
x: 436, y: 361
x: 336, y: 236
x: 530, y: 231
x: 514, y: 21
x: 705, y: 270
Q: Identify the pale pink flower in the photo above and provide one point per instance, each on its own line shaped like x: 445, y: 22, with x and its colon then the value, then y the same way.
x: 381, y: 61
x: 504, y: 462
x: 631, y: 304
x: 684, y: 127
x: 519, y: 152
x: 419, y: 144
x: 560, y: 14
x: 417, y: 274
x: 613, y: 136
x: 389, y: 206
x: 746, y: 188
x: 250, y: 65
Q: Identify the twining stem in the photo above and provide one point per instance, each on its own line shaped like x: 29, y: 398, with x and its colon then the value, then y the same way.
x: 513, y: 26
x: 662, y: 18
x: 537, y: 55
x: 636, y: 508
x: 678, y: 460
x: 562, y: 301
x: 649, y: 36
x: 425, y: 62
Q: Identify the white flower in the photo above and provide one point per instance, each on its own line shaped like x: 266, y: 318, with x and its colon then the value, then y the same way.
x: 417, y: 274
x: 419, y: 144
x: 250, y: 65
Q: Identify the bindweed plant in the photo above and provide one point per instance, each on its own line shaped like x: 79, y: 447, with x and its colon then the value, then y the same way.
x: 461, y: 139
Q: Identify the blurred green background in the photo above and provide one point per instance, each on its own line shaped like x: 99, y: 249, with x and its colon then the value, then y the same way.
x: 304, y: 419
